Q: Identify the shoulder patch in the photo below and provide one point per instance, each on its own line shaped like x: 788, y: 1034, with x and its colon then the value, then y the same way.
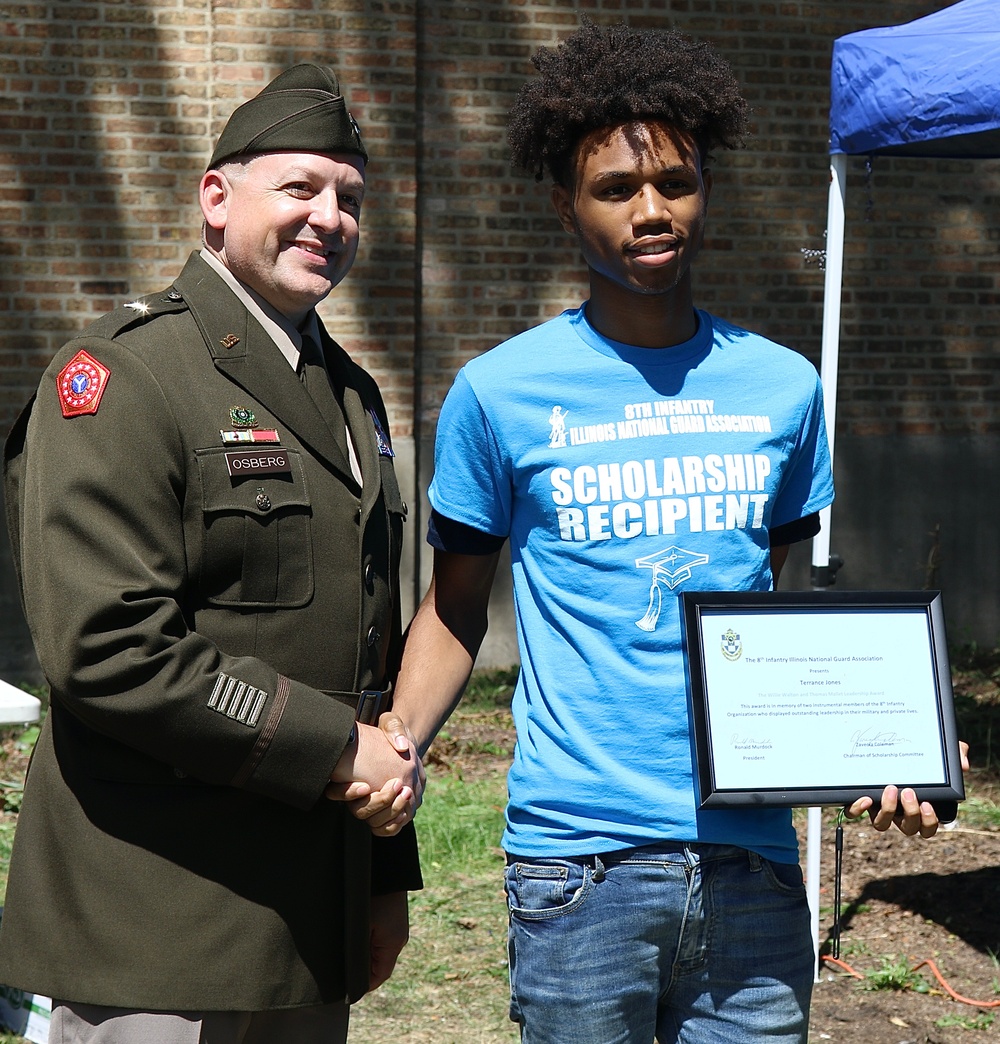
x: 81, y: 383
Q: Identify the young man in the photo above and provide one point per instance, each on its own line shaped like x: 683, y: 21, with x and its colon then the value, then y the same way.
x: 207, y: 529
x: 629, y: 449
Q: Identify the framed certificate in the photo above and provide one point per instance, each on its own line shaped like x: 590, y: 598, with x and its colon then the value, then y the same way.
x: 817, y: 698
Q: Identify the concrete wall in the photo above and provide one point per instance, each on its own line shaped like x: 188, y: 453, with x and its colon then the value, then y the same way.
x: 917, y: 513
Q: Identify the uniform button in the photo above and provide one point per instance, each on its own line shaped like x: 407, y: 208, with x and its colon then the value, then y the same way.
x: 263, y: 501
x: 180, y: 773
x: 373, y: 635
x: 369, y: 577
x: 406, y: 510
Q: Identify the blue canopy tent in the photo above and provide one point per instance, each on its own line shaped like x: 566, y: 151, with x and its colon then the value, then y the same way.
x: 928, y: 88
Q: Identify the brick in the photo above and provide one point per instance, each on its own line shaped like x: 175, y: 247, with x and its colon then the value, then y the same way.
x: 109, y: 109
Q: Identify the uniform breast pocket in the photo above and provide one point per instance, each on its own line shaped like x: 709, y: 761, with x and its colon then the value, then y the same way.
x: 256, y: 531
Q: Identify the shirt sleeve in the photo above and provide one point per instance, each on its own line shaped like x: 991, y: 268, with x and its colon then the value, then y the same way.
x: 446, y: 534
x: 807, y: 482
x: 794, y: 532
x: 472, y: 475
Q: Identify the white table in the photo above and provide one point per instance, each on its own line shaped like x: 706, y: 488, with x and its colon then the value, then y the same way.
x: 17, y: 707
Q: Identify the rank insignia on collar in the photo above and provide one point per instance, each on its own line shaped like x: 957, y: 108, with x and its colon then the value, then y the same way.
x: 384, y: 449
x: 81, y: 383
x: 229, y: 341
x: 242, y: 417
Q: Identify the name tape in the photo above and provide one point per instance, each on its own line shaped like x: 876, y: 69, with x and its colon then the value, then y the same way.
x: 257, y: 462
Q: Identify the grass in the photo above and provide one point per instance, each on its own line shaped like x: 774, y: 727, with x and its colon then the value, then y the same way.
x: 450, y: 986
x: 451, y: 981
x: 980, y: 812
x: 460, y: 823
x: 490, y: 688
x: 980, y: 1021
x: 894, y: 973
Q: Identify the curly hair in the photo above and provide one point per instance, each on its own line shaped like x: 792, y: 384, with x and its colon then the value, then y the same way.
x: 602, y: 76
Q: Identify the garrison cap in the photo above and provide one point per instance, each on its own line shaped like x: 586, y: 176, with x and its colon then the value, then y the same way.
x: 301, y: 110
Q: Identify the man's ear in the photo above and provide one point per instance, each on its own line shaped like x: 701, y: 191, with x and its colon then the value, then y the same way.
x: 213, y: 195
x: 562, y: 200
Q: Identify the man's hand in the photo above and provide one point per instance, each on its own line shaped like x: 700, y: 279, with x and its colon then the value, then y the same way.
x: 390, y: 928
x: 903, y: 808
x: 380, y: 776
x: 900, y: 807
x: 386, y: 811
x: 399, y: 735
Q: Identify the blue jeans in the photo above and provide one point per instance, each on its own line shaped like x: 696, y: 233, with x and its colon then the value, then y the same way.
x: 685, y: 943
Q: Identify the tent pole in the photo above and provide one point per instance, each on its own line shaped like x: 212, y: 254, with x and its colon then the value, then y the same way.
x: 821, y: 542
x: 830, y: 350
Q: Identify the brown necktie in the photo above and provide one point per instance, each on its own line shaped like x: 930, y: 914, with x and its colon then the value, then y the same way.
x: 317, y: 383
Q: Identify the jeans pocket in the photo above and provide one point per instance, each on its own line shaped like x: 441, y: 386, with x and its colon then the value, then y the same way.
x: 540, y: 890
x: 786, y: 877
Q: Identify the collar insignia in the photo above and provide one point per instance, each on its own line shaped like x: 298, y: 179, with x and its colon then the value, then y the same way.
x: 384, y: 448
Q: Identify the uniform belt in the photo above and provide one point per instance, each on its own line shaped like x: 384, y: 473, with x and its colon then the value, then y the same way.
x: 367, y: 704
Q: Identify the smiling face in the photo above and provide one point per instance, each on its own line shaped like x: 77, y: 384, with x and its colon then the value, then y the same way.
x: 286, y: 224
x: 637, y: 206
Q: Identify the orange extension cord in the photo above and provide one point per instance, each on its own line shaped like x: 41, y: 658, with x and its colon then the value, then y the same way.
x: 937, y: 975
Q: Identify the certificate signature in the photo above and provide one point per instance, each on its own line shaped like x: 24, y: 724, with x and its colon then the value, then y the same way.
x: 740, y: 742
x: 872, y: 739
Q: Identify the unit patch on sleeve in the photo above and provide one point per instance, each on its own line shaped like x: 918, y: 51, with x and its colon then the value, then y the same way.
x: 81, y: 383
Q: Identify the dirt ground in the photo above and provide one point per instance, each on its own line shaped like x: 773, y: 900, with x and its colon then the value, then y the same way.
x: 904, y: 901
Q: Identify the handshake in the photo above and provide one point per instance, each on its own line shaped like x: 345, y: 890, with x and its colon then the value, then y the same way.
x: 380, y: 775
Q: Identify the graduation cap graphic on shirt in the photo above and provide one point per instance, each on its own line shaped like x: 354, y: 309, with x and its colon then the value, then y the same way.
x: 671, y: 567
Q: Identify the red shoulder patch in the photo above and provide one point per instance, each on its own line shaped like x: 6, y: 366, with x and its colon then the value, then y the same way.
x: 81, y: 384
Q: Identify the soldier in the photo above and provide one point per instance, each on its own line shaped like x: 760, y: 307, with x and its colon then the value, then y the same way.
x: 206, y: 527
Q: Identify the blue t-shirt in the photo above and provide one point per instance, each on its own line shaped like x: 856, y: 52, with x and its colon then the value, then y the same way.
x: 623, y: 476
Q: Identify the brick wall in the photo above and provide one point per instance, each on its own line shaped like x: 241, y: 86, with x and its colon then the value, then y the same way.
x: 108, y: 111
x: 921, y: 293
x: 108, y: 117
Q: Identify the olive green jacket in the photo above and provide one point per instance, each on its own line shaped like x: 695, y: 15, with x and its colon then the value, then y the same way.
x: 174, y: 850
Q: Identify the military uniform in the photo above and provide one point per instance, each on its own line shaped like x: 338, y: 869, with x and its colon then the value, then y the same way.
x: 209, y: 589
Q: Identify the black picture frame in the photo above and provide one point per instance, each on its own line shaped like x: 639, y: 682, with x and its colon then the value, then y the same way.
x: 822, y: 726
